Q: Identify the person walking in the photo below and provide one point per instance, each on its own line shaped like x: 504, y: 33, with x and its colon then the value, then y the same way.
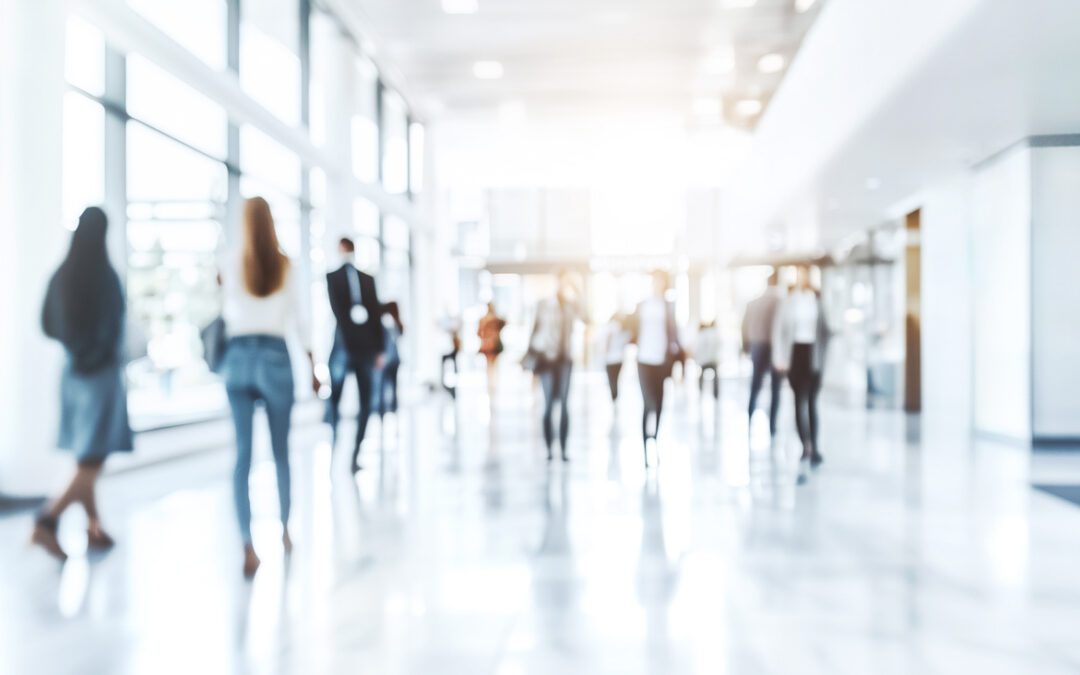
x: 800, y: 339
x: 657, y: 339
x: 707, y: 355
x: 264, y: 303
x: 552, y: 360
x: 757, y: 342
x: 616, y: 340
x: 84, y: 311
x: 489, y: 331
x: 359, y: 341
x: 393, y: 330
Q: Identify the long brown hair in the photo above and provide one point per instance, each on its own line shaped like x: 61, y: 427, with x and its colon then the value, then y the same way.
x: 264, y: 263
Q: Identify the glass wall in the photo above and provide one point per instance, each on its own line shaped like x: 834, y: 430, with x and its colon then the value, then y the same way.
x: 182, y: 177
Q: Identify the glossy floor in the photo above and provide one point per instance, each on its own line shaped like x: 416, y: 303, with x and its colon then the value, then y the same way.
x: 460, y: 550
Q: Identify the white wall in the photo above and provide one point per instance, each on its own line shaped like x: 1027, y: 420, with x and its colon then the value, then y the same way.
x: 1056, y: 291
x: 947, y: 307
x: 1001, y: 246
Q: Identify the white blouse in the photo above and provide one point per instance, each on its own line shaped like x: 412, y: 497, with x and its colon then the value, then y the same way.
x: 653, y: 332
x: 280, y: 314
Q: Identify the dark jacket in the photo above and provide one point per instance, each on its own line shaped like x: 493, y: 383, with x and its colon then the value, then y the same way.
x: 364, y: 340
x: 95, y: 344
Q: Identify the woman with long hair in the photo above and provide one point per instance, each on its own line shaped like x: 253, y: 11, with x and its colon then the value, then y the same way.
x: 84, y: 311
x: 393, y: 329
x: 263, y: 304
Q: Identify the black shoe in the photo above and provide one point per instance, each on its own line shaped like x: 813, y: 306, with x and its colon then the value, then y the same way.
x: 356, y: 468
x: 565, y: 457
x: 816, y: 460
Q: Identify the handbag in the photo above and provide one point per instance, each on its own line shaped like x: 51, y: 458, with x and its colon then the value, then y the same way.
x: 215, y: 342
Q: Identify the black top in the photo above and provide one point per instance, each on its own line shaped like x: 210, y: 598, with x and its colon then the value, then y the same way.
x: 361, y: 340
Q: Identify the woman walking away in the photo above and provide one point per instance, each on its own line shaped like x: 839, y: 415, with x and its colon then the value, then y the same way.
x: 800, y: 338
x: 263, y: 304
x: 658, y: 348
x: 387, y: 380
x: 551, y: 359
x: 491, y: 345
x: 616, y: 340
x: 84, y: 311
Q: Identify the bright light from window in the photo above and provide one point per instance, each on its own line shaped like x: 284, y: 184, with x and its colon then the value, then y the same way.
x: 739, y: 4
x: 488, y: 70
x: 461, y: 6
x: 771, y: 63
x: 804, y: 5
x: 748, y: 107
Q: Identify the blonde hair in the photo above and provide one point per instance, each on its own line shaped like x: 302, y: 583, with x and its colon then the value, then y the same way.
x: 265, y: 265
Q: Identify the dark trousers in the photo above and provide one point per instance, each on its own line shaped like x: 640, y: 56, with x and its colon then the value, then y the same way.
x: 341, y: 365
x: 761, y: 357
x: 613, y: 372
x: 652, y: 380
x: 806, y: 383
x: 710, y: 368
x: 555, y: 383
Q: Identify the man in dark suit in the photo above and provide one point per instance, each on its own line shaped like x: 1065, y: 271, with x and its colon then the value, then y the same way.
x: 358, y: 341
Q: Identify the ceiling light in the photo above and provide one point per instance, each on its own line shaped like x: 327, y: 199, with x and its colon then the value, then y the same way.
x: 748, y: 107
x: 873, y: 184
x: 461, y: 6
x: 487, y: 70
x: 771, y: 63
x: 803, y: 5
x: 719, y: 62
x: 707, y: 107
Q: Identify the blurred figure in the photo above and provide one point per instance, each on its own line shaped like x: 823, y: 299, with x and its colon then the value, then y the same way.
x: 84, y: 311
x: 393, y: 329
x: 551, y: 358
x: 491, y: 345
x: 707, y: 355
x: 616, y: 340
x: 757, y: 342
x: 800, y: 339
x: 657, y: 340
x: 358, y: 343
x: 451, y: 326
x: 264, y: 302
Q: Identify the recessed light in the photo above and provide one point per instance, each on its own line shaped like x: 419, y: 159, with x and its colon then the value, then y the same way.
x: 461, y: 6
x: 748, y: 107
x: 771, y: 63
x: 803, y: 5
x: 873, y: 184
x: 719, y: 62
x: 487, y: 70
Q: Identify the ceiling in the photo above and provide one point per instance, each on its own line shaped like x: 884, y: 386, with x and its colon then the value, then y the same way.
x: 698, y: 57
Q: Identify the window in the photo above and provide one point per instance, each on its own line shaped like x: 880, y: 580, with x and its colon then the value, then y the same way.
x: 365, y: 126
x: 84, y: 58
x: 365, y: 218
x: 416, y: 158
x: 269, y: 61
x: 271, y: 162
x: 395, y: 160
x: 83, y: 172
x: 165, y: 102
x: 395, y: 233
x: 200, y: 26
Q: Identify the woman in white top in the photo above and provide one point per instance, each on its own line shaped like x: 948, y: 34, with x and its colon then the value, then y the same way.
x: 658, y: 347
x: 800, y: 337
x: 551, y: 359
x: 616, y: 340
x: 263, y: 304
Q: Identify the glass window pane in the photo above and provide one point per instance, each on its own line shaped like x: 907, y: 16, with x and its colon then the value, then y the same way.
x: 416, y: 158
x: 162, y: 170
x: 365, y: 127
x: 365, y: 218
x: 83, y: 156
x: 165, y: 102
x: 84, y: 58
x: 269, y: 161
x: 396, y: 153
x: 395, y: 233
x: 269, y: 61
x: 198, y: 25
x: 326, y: 46
x: 368, y: 254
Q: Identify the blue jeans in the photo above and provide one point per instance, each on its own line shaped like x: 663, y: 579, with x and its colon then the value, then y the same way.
x: 257, y: 369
